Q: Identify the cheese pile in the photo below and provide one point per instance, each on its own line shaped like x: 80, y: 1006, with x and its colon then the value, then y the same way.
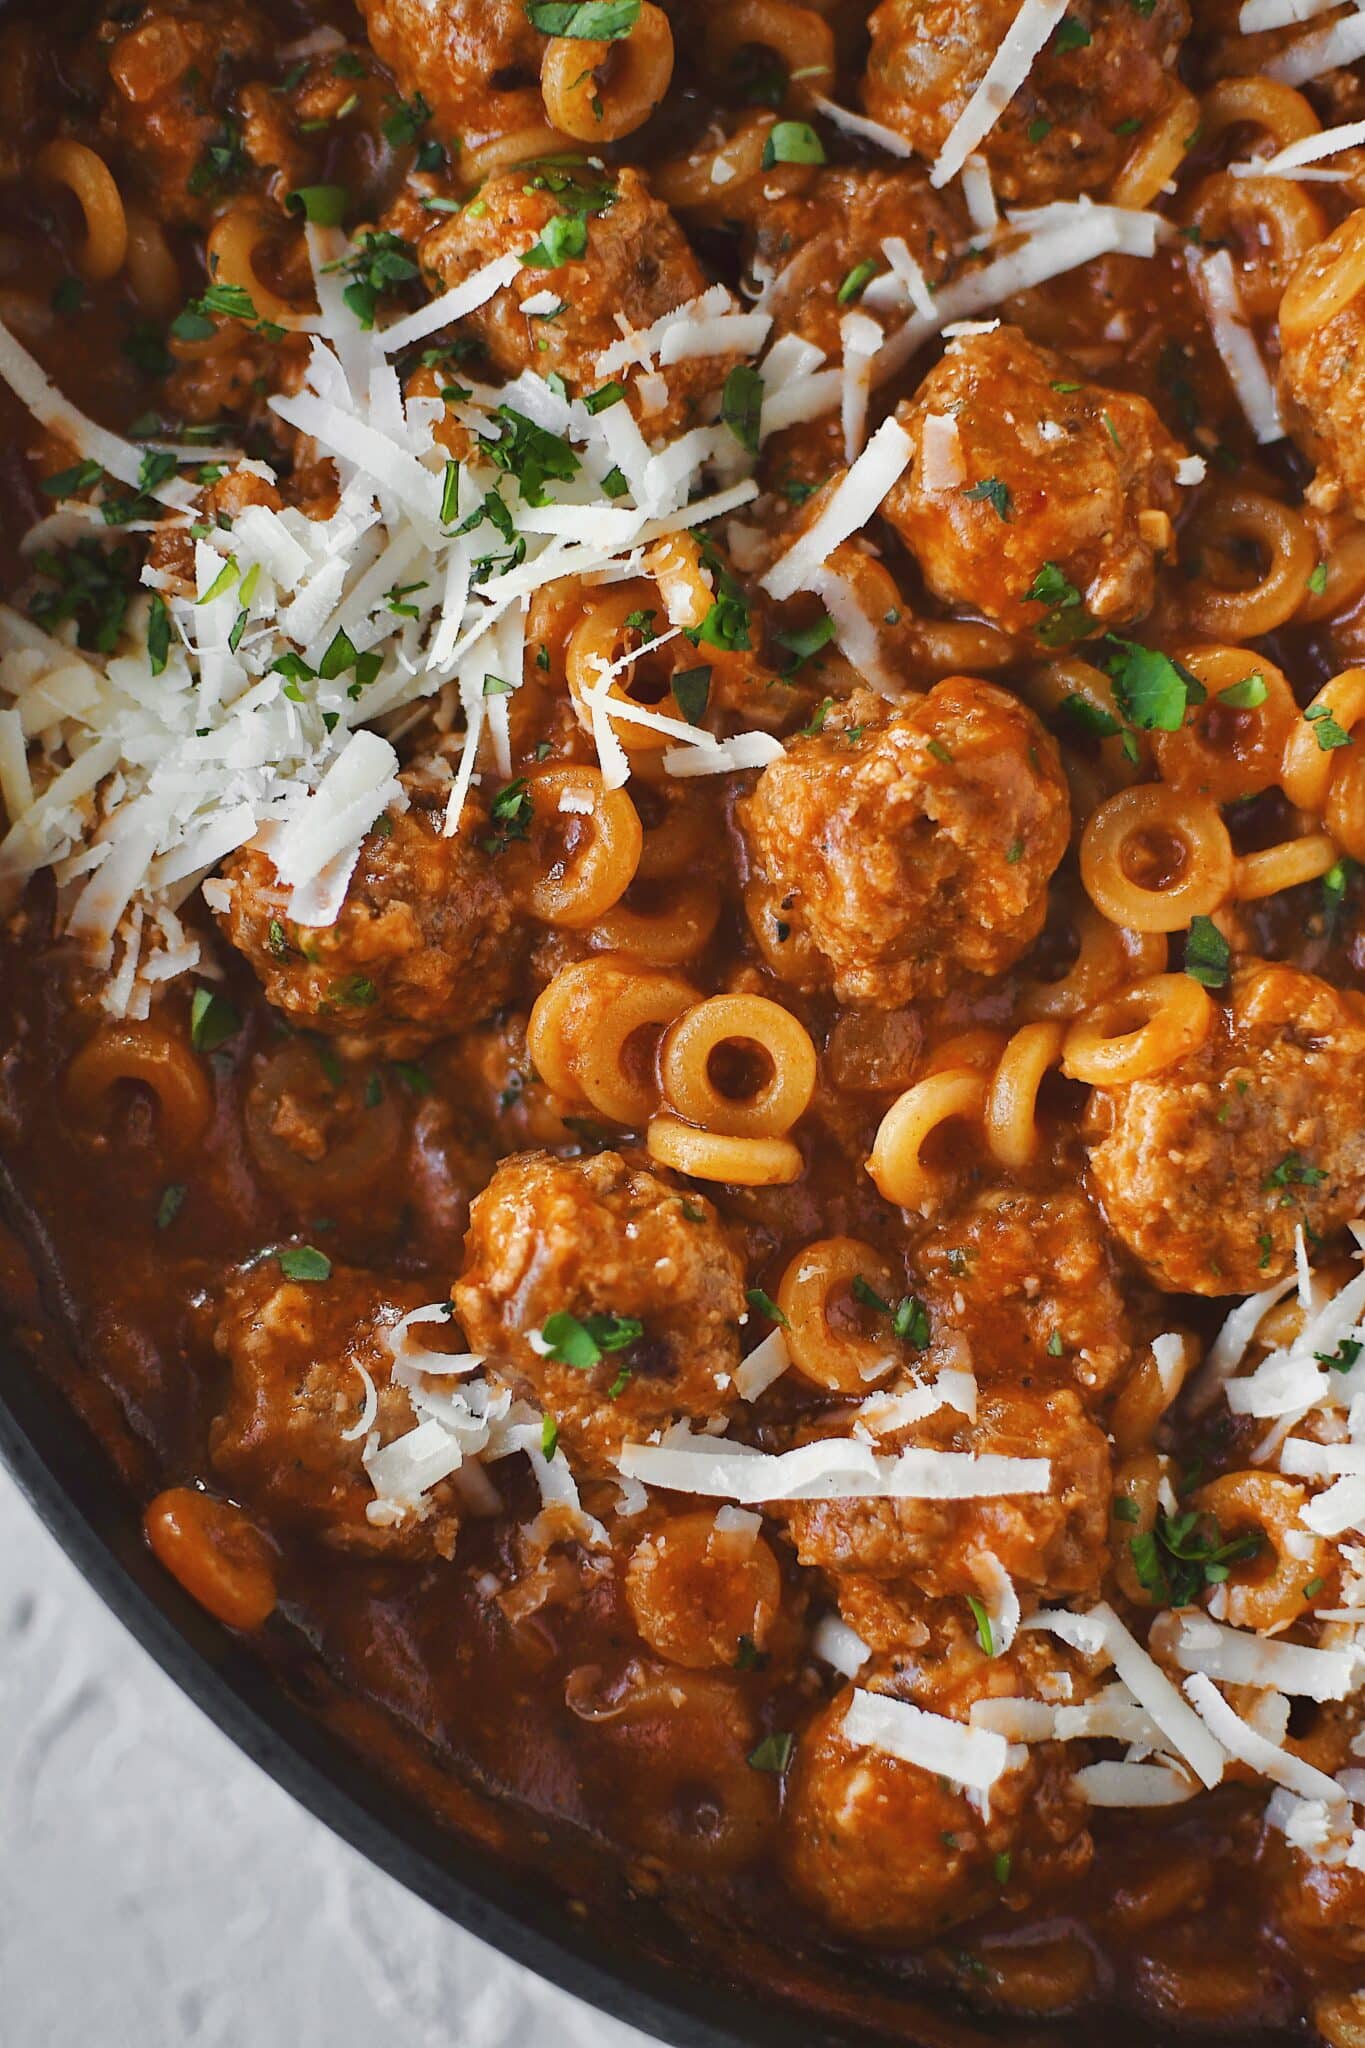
x: 252, y: 715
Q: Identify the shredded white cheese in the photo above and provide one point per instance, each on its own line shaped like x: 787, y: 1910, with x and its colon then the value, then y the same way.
x: 949, y: 1749
x: 1008, y: 69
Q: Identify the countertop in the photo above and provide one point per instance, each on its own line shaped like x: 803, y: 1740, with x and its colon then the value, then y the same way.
x: 158, y: 1891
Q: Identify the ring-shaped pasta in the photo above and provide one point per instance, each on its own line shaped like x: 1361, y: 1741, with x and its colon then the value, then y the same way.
x: 1136, y: 1485
x: 674, y: 923
x: 150, y: 1056
x: 1269, y: 224
x: 778, y: 1100
x: 980, y: 1048
x: 1183, y: 834
x: 599, y: 91
x: 797, y: 36
x: 1234, y: 522
x: 1287, y: 865
x: 216, y: 1553
x: 506, y: 152
x: 1330, y: 278
x: 603, y: 637
x: 152, y: 269
x: 1012, y: 1103
x: 1130, y: 1037
x: 1341, y: 565
x: 89, y: 179
x: 896, y: 1163
x: 1266, y: 1600
x: 722, y: 176
x: 580, y: 1030
x: 231, y: 248
x: 1308, y: 767
x: 1226, y: 751
x: 354, y: 1133
x: 1280, y: 113
x: 696, y: 1592
x: 1148, y: 1393
x: 1345, y: 814
x: 1158, y: 150
x: 1064, y: 691
x: 815, y: 1295
x: 597, y: 866
x: 1106, y: 957
x: 711, y: 1155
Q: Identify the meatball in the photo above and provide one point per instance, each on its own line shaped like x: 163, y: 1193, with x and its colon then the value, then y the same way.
x: 640, y: 1268
x: 899, y: 850
x: 634, y: 266
x: 476, y: 63
x: 421, y: 947
x: 1054, y: 1543
x: 180, y: 147
x: 1032, y: 1285
x: 1322, y: 373
x: 812, y: 242
x: 298, y: 1352
x: 1205, y: 1170
x: 1066, y: 129
x: 882, y: 1848
x: 1034, y: 498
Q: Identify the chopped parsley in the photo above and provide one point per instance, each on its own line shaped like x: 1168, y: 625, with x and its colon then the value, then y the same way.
x: 774, y: 1753
x: 596, y: 21
x: 1153, y: 692
x: 1067, y: 619
x: 857, y: 281
x: 766, y: 1306
x: 691, y: 689
x: 549, y: 1436
x: 1207, y: 953
x: 213, y: 1020
x: 741, y: 405
x: 1246, y: 695
x: 564, y: 236
x: 406, y: 122
x: 87, y: 585
x: 1327, y: 728
x: 1184, y: 1553
x: 583, y: 1342
x: 803, y: 642
x: 324, y: 205
x: 792, y: 142
x: 531, y: 454
x: 375, y: 266
x: 510, y: 814
x: 1292, y: 1172
x: 171, y: 1203
x: 305, y: 1262
x: 990, y: 491
x: 1071, y: 35
x: 910, y: 1321
x: 1343, y: 1358
x: 985, y: 1634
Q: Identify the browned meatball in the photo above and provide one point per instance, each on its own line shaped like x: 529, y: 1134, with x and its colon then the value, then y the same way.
x: 1033, y: 480
x: 1205, y: 1169
x: 636, y: 263
x: 813, y: 241
x: 1322, y: 374
x: 1066, y: 129
x: 295, y: 1350
x: 181, y: 146
x: 422, y: 945
x: 1032, y: 1284
x: 1053, y: 1542
x: 897, y: 850
x: 476, y: 63
x: 883, y: 1848
x: 1321, y: 1906
x: 611, y: 1245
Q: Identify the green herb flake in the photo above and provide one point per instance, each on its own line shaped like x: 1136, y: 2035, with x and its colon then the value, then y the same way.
x: 213, y: 1020
x: 774, y: 1753
x: 582, y: 1342
x: 766, y: 1306
x: 857, y: 281
x: 1246, y: 695
x: 792, y: 142
x: 171, y: 1203
x: 985, y: 1634
x: 595, y: 21
x: 691, y: 689
x: 304, y: 1262
x: 741, y: 405
x: 549, y: 1436
x: 990, y: 491
x: 1208, y: 955
x: 1327, y: 729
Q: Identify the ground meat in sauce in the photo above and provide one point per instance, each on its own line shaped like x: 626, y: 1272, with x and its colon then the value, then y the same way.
x: 910, y: 847
x: 423, y: 944
x: 1032, y: 1286
x: 885, y: 1848
x: 299, y: 1353
x: 817, y: 243
x: 636, y: 266
x: 601, y: 1237
x: 1054, y: 1541
x: 1206, y: 1170
x: 1101, y: 74
x: 476, y: 63
x: 166, y: 113
x: 1322, y: 382
x: 1023, y: 469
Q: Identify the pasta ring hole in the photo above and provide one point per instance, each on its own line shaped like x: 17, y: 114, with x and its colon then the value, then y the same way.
x: 1154, y: 858
x: 740, y: 1070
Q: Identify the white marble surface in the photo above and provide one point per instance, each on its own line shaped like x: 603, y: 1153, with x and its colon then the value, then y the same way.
x: 158, y: 1891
